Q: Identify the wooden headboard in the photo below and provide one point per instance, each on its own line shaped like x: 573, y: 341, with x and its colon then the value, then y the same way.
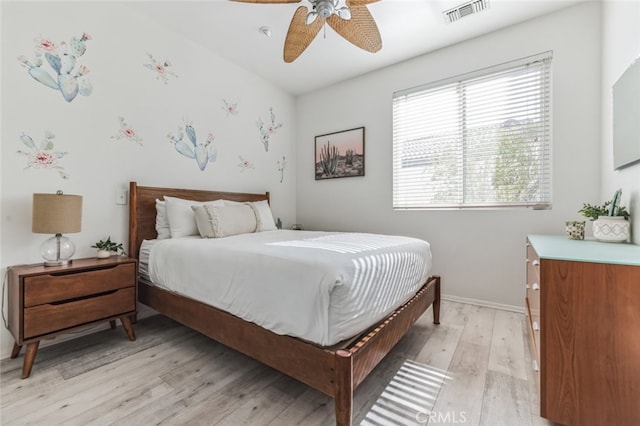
x: 142, y: 208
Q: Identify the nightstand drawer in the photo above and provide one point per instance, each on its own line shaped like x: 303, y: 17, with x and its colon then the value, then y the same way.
x: 46, y: 318
x: 43, y: 289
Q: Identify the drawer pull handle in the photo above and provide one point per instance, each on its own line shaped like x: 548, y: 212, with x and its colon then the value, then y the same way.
x: 88, y: 296
x: 535, y: 326
x: 535, y: 287
x: 535, y: 263
x: 534, y: 364
x: 103, y: 268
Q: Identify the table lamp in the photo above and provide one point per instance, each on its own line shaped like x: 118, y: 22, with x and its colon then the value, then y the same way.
x: 57, y: 214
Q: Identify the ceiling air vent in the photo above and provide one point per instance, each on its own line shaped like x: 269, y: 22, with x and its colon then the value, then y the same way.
x: 465, y: 9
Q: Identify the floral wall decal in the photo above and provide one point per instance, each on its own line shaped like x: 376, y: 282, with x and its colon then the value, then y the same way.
x: 203, y: 153
x: 282, y: 164
x: 160, y: 68
x: 127, y: 132
x: 70, y: 81
x: 268, y: 130
x: 244, y: 164
x: 42, y: 155
x: 230, y: 108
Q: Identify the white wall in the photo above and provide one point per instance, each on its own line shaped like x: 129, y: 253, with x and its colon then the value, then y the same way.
x: 479, y: 254
x: 620, y: 47
x: 97, y: 164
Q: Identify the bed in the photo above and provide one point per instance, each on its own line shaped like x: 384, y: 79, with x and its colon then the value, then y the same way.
x: 335, y: 370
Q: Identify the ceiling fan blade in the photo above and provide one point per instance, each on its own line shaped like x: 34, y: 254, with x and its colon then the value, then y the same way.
x: 361, y: 30
x: 300, y: 35
x: 356, y: 3
x: 268, y: 1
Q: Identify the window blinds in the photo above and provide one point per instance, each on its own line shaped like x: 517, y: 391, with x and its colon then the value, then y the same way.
x: 478, y: 140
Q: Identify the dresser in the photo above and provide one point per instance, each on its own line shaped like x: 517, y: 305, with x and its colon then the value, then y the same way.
x: 45, y: 301
x: 583, y: 311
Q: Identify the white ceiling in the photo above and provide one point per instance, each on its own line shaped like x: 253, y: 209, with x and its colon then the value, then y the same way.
x: 408, y: 28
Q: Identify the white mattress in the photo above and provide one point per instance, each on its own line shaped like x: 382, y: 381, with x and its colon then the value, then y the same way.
x: 318, y: 286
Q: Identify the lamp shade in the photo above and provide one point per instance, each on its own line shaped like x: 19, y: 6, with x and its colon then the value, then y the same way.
x: 56, y: 213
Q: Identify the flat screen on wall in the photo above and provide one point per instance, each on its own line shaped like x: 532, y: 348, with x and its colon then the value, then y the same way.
x: 626, y: 117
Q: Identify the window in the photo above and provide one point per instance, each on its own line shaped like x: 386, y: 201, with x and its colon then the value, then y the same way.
x: 478, y: 140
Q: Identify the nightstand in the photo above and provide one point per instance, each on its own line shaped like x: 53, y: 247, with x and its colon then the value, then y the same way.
x: 52, y: 300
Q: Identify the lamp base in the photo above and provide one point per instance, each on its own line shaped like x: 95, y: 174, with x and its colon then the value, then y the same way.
x: 57, y: 251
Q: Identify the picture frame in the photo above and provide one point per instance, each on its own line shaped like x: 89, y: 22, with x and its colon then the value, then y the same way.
x: 340, y: 154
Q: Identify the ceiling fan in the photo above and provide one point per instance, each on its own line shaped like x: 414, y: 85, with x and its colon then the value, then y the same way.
x: 349, y: 18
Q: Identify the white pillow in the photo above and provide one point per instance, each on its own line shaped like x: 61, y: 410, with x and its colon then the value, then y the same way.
x: 162, y: 224
x: 216, y: 221
x: 264, y: 218
x: 182, y: 222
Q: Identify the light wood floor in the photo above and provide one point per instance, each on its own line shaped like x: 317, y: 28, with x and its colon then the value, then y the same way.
x: 473, y: 369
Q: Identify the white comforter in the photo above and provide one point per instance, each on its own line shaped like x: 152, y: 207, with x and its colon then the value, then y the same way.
x: 318, y: 286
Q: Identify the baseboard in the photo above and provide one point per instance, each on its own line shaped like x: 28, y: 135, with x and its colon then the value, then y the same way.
x: 485, y: 303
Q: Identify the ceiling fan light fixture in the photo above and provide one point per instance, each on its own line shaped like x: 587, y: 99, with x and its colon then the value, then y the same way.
x: 311, y: 16
x: 344, y: 13
x: 324, y: 8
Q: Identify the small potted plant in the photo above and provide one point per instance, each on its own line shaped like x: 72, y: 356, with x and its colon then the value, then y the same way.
x: 610, y: 220
x: 106, y: 247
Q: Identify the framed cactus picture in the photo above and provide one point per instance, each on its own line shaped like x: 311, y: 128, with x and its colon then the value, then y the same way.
x: 340, y: 154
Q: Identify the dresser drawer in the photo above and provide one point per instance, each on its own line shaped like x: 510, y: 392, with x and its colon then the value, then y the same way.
x: 533, y: 263
x: 533, y: 296
x: 534, y: 350
x: 52, y: 317
x: 533, y: 327
x: 43, y: 289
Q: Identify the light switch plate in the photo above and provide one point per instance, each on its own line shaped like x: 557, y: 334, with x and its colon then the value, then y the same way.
x: 121, y: 196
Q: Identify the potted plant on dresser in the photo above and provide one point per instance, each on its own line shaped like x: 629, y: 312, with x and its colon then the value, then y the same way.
x: 610, y: 220
x: 106, y: 247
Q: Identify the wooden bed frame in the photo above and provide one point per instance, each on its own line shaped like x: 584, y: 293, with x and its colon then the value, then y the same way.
x: 336, y: 371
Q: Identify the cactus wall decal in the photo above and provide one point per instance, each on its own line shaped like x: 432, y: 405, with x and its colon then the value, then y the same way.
x: 244, y: 164
x: 329, y: 156
x: 127, y: 132
x: 203, y: 153
x: 281, y: 166
x: 160, y: 68
x: 229, y: 108
x: 70, y: 80
x: 42, y: 155
x: 267, y: 131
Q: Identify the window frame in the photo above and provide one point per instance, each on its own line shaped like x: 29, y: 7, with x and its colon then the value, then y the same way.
x: 544, y: 201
